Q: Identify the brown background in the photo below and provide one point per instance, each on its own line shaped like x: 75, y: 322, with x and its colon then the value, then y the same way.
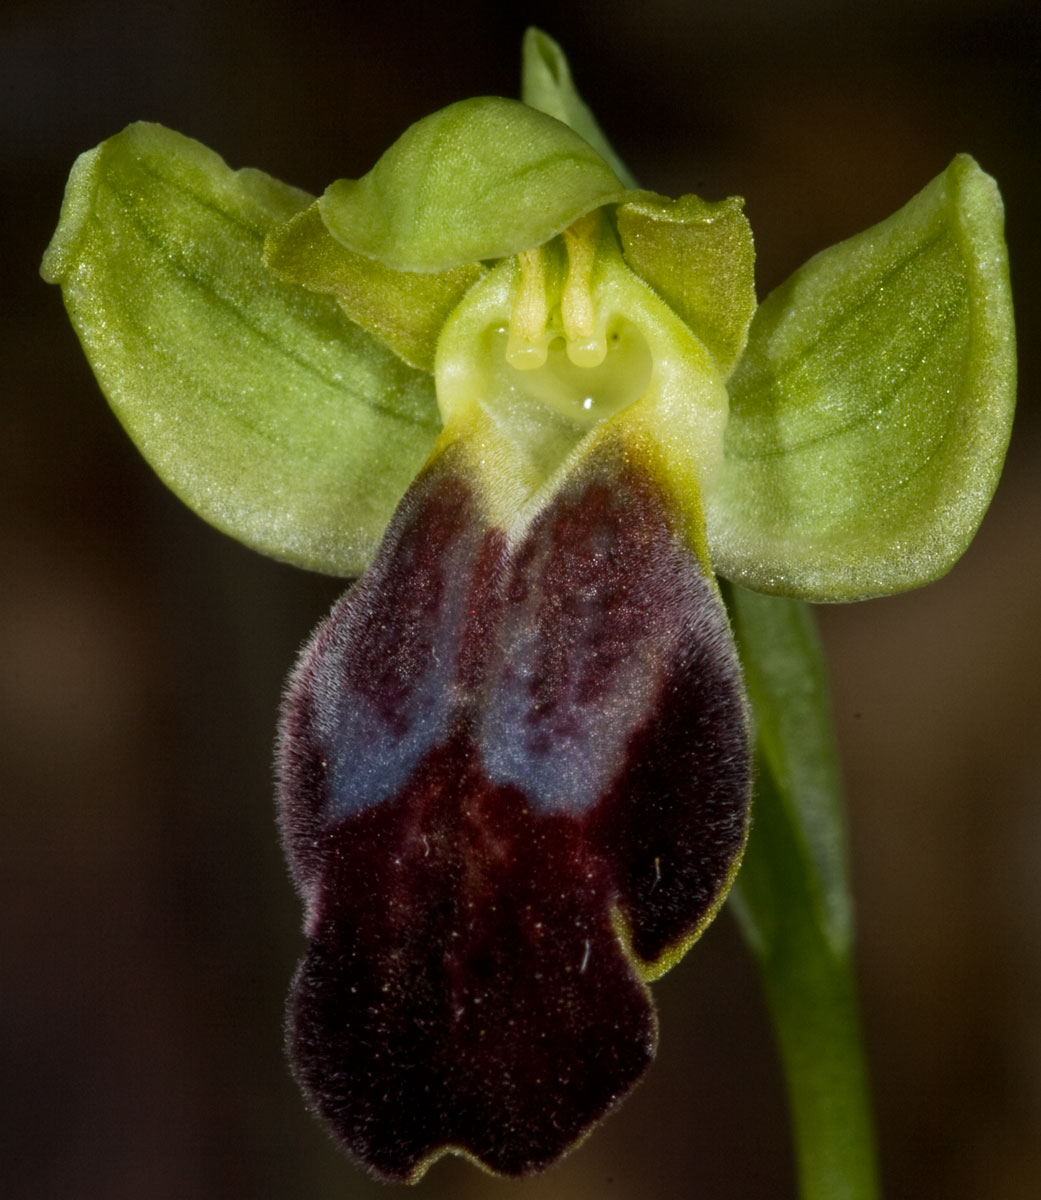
x: 148, y: 929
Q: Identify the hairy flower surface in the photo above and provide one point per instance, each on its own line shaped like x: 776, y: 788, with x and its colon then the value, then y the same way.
x: 536, y: 410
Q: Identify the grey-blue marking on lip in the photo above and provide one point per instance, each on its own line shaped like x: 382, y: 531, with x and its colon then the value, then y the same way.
x: 565, y: 753
x: 385, y: 663
x: 372, y: 761
x: 596, y: 604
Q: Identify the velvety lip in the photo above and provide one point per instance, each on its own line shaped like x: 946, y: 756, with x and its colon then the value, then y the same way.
x: 514, y: 777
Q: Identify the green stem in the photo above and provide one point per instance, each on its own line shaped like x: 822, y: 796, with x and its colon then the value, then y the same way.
x: 811, y: 994
x: 792, y: 899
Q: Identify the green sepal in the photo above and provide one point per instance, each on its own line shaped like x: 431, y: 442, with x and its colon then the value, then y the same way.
x: 481, y: 179
x: 404, y: 309
x: 698, y: 256
x: 546, y: 84
x: 872, y: 408
x: 260, y: 404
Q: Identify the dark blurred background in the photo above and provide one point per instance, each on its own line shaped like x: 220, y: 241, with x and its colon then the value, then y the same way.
x: 148, y: 928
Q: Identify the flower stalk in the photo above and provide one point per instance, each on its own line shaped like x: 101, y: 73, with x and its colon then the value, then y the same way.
x: 792, y: 899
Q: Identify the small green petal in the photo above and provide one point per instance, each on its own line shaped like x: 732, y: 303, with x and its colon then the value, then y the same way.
x: 404, y: 309
x: 481, y: 179
x: 871, y: 411
x: 699, y: 257
x: 547, y: 85
x: 264, y: 408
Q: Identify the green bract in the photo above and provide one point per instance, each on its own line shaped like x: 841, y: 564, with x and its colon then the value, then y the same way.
x: 546, y: 85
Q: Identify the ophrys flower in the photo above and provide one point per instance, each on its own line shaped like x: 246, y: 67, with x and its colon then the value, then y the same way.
x: 529, y: 403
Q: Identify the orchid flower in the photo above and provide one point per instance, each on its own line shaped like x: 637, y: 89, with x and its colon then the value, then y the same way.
x: 538, y: 412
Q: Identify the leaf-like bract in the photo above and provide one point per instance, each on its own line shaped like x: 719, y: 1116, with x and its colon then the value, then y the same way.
x: 546, y: 84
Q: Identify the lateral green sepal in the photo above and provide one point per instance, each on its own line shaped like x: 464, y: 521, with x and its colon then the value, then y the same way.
x: 546, y: 84
x: 404, y: 309
x: 872, y: 408
x: 698, y: 256
x: 481, y: 179
x: 260, y: 404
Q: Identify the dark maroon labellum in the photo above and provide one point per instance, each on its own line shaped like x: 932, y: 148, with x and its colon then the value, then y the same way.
x: 491, y: 751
